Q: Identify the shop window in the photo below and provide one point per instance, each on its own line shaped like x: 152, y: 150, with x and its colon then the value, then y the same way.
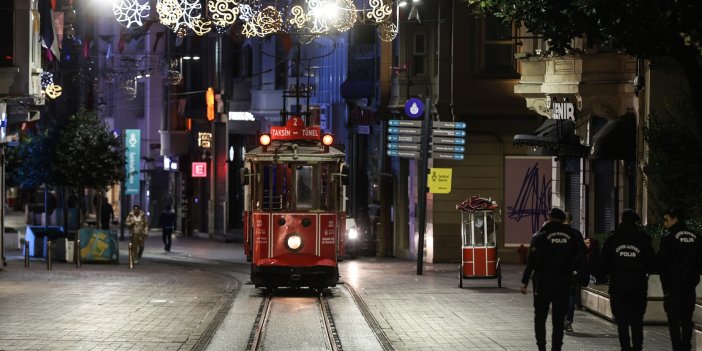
x: 419, y: 54
x: 6, y: 27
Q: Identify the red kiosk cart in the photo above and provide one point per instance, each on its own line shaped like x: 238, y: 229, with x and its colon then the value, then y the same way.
x: 479, y: 241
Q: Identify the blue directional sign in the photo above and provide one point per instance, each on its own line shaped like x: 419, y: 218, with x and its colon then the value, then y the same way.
x: 404, y: 123
x: 449, y: 125
x: 405, y: 138
x: 446, y: 140
x: 414, y: 107
x: 446, y: 156
x: 411, y: 131
x: 449, y: 132
x: 397, y: 146
x: 447, y: 148
x: 405, y: 154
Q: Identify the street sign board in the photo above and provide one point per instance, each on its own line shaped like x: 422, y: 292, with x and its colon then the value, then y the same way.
x: 414, y: 107
x: 449, y: 132
x: 447, y: 148
x: 409, y: 131
x: 132, y: 155
x: 450, y: 141
x: 404, y: 123
x: 402, y: 153
x: 446, y: 156
x: 397, y: 146
x: 404, y: 138
x: 449, y: 125
x: 439, y: 180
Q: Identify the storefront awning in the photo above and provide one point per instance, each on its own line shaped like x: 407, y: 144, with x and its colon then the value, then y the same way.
x: 556, y: 137
x: 616, y: 140
x: 357, y: 89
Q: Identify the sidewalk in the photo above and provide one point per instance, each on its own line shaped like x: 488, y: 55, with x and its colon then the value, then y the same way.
x: 177, y: 300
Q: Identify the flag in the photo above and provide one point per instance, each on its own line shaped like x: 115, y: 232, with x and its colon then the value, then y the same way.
x: 46, y: 28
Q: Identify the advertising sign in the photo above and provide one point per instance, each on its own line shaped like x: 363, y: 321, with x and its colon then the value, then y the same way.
x: 439, y: 180
x: 199, y: 169
x: 132, y: 155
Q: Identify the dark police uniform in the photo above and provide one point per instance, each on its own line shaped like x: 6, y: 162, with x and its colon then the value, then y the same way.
x: 555, y: 253
x: 627, y: 258
x: 680, y: 260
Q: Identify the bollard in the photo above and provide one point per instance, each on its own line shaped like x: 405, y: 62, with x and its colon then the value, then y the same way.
x: 26, y: 253
x: 131, y: 257
x: 49, y: 251
x: 77, y: 253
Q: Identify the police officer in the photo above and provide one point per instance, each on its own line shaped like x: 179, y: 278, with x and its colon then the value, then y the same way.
x: 627, y: 258
x: 679, y: 261
x: 554, y: 255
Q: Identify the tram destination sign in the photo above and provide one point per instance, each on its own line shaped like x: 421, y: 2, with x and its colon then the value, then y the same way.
x: 404, y: 138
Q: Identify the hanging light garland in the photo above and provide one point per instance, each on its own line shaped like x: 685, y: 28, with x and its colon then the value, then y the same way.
x: 53, y: 91
x: 131, y: 13
x: 310, y: 18
x: 47, y: 78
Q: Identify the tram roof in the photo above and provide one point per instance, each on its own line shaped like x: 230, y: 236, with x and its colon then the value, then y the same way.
x: 284, y: 151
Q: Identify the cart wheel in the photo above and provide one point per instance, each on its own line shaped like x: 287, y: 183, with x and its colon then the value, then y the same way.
x: 499, y: 274
x: 460, y: 276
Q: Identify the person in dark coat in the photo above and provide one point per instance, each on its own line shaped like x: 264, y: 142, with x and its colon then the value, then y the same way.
x: 627, y: 259
x: 574, y: 298
x: 167, y: 222
x: 555, y: 254
x: 679, y: 264
x: 107, y: 213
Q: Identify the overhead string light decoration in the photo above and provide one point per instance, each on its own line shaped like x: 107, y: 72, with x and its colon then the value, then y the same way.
x: 299, y: 18
x: 346, y: 16
x: 169, y: 12
x: 223, y: 12
x: 387, y: 31
x: 47, y: 78
x: 53, y: 91
x: 131, y: 13
x: 269, y: 21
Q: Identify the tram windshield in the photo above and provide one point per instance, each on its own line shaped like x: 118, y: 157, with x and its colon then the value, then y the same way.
x: 296, y: 187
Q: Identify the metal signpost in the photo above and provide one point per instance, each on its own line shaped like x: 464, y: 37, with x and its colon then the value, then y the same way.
x: 414, y: 140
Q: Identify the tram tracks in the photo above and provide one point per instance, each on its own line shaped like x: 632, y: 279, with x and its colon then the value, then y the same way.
x: 271, y: 327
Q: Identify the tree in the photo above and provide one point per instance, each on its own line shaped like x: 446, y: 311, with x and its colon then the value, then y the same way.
x: 645, y: 29
x: 88, y: 154
x: 674, y: 171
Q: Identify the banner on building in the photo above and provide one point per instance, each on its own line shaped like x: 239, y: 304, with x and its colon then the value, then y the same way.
x: 132, y: 155
x: 527, y: 197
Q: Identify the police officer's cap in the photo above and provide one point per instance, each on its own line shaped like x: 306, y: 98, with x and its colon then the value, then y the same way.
x: 557, y: 214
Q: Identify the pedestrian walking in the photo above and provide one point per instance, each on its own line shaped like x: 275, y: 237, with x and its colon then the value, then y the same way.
x: 554, y: 255
x: 574, y: 297
x: 136, y: 220
x: 680, y: 261
x: 627, y: 259
x: 107, y: 213
x: 167, y: 222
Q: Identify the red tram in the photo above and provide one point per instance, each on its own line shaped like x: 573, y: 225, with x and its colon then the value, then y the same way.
x: 294, y: 188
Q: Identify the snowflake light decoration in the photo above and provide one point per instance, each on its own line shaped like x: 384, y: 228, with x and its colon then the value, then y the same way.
x: 379, y: 11
x: 223, y: 12
x: 169, y: 12
x: 131, y: 13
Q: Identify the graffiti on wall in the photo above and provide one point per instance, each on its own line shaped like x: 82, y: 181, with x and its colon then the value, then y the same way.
x: 527, y: 197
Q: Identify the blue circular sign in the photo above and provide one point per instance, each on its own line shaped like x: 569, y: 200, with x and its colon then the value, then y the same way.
x: 414, y: 107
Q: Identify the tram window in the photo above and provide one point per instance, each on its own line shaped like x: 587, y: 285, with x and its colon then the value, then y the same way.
x: 275, y: 187
x: 304, y: 197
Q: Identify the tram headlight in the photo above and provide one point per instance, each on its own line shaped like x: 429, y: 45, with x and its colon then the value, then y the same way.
x: 352, y: 234
x: 293, y: 242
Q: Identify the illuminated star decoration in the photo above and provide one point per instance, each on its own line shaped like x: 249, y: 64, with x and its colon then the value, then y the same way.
x: 414, y: 13
x: 53, y: 91
x: 379, y: 11
x: 130, y: 13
